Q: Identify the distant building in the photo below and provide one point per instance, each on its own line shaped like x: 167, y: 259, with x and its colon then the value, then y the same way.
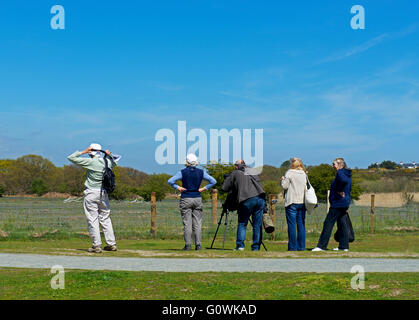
x: 411, y: 165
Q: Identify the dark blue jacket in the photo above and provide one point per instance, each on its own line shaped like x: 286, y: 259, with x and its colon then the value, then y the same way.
x: 342, y: 183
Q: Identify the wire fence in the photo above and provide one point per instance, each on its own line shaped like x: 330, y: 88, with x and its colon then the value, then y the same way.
x: 29, y: 218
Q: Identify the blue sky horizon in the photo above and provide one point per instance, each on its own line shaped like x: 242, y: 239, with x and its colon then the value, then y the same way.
x: 120, y: 71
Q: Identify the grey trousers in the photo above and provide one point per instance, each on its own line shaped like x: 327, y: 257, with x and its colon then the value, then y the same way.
x: 97, y: 213
x: 191, y: 211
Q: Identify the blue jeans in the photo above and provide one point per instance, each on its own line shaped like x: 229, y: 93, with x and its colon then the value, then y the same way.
x: 296, y: 217
x: 250, y: 207
x: 335, y: 214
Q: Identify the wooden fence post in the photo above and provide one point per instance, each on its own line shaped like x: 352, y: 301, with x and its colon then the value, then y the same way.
x: 153, y: 214
x: 272, y: 212
x: 214, y: 206
x: 372, y: 213
x: 327, y: 202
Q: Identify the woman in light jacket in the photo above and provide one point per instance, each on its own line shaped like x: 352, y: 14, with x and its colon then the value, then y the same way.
x: 294, y: 184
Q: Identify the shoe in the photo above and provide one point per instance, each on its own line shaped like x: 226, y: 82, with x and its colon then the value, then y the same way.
x: 317, y: 249
x: 110, y: 248
x: 337, y: 249
x: 198, y: 247
x: 239, y: 249
x: 95, y: 249
x: 187, y: 247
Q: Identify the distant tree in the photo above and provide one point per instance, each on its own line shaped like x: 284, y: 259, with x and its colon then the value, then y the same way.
x: 73, y: 179
x: 123, y: 191
x: 321, y: 177
x: 39, y: 187
x: 130, y: 176
x: 271, y: 187
x: 389, y: 165
x: 373, y: 166
x: 286, y: 164
x: 155, y: 183
x: 271, y: 173
x: 356, y: 190
x: 218, y: 170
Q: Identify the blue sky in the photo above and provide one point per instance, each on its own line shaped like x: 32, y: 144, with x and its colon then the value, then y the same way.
x: 122, y: 70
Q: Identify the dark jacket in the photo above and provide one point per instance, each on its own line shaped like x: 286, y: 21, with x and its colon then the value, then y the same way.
x: 245, y: 186
x: 191, y: 180
x: 342, y: 183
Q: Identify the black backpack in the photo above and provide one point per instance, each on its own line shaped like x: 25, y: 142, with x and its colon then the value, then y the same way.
x: 108, y: 180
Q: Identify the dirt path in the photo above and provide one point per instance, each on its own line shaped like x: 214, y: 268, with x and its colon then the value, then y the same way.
x: 208, y: 265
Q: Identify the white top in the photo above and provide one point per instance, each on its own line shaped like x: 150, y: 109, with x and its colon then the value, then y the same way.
x: 294, y: 185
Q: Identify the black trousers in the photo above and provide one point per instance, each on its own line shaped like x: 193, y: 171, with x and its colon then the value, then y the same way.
x: 335, y: 215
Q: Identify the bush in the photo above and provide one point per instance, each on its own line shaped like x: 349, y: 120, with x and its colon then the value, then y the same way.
x: 388, y: 164
x: 321, y: 177
x: 155, y: 183
x: 217, y: 171
x: 123, y: 192
x: 1, y: 191
x: 271, y: 187
x: 39, y: 187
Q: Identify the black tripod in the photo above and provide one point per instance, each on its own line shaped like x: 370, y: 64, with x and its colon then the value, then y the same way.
x: 226, y: 212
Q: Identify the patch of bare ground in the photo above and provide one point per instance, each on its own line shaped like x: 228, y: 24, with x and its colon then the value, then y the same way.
x: 374, y: 286
x: 209, y: 254
x: 41, y: 234
x: 395, y: 292
x: 402, y: 228
x: 56, y: 195
x: 3, y: 234
x: 389, y: 200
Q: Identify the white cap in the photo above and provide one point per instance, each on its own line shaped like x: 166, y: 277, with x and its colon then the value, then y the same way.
x: 191, y: 160
x: 95, y: 146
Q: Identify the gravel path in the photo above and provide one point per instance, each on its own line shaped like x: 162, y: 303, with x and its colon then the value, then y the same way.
x: 206, y: 265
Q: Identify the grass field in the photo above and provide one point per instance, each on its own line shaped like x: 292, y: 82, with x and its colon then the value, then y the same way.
x: 33, y: 218
x: 35, y: 284
x: 50, y: 226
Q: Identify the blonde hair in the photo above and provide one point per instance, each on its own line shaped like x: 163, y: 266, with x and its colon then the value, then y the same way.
x: 297, y: 164
x: 341, y: 162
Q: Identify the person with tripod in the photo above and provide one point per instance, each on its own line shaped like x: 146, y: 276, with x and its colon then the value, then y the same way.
x: 96, y: 201
x: 251, y: 202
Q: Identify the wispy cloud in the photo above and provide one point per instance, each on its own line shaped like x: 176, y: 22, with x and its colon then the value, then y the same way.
x: 356, y: 50
x: 370, y: 44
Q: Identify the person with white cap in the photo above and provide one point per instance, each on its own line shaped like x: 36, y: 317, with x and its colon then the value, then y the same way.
x: 190, y: 200
x: 96, y: 201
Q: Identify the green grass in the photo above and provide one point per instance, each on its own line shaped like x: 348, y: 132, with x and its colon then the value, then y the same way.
x: 31, y: 218
x: 35, y: 284
x: 403, y: 244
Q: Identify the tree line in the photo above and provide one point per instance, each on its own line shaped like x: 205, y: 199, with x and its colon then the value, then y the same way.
x: 33, y: 174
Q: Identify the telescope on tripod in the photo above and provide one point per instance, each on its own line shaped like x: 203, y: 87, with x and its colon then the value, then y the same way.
x: 230, y: 205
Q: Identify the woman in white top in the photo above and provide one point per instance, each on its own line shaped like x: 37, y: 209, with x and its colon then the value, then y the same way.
x: 294, y: 184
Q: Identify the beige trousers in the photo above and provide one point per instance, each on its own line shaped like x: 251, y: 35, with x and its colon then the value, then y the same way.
x: 97, y: 213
